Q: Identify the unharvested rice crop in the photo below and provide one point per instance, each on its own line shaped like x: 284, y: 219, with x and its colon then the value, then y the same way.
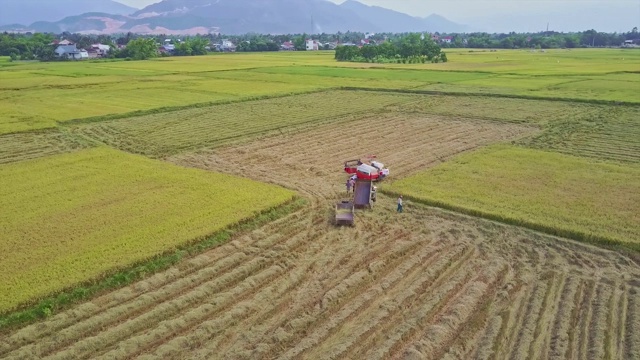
x: 173, y: 132
x: 565, y: 195
x: 423, y: 284
x: 76, y: 216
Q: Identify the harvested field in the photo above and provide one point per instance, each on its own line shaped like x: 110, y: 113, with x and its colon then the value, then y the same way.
x: 424, y: 284
x: 310, y: 160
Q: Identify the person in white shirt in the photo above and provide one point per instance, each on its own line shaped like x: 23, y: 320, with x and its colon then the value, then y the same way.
x: 400, y: 204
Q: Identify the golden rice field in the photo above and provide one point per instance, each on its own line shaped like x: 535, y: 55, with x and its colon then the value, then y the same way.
x: 518, y: 147
x: 76, y: 216
x: 565, y: 195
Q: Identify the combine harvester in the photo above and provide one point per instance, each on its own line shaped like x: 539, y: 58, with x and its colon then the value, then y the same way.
x: 365, y: 192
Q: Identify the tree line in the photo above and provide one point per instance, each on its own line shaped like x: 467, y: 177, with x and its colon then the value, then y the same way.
x: 412, y: 48
x: 392, y: 47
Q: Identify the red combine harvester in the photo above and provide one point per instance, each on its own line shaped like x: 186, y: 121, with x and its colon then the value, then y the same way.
x: 374, y: 171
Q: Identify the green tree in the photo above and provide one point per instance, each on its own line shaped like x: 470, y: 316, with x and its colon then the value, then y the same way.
x: 141, y: 49
x: 300, y: 42
x: 369, y: 52
x: 347, y: 53
x: 507, y: 43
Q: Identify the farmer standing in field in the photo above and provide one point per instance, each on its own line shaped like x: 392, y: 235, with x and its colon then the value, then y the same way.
x: 349, y: 184
x: 400, y: 204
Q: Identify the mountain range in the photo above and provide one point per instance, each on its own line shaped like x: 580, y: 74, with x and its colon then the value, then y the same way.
x: 205, y: 16
x: 29, y: 11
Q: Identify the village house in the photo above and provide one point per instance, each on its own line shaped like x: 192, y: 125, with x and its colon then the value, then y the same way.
x: 67, y: 50
x: 447, y: 39
x: 313, y: 45
x: 332, y: 45
x: 98, y: 50
x: 228, y: 46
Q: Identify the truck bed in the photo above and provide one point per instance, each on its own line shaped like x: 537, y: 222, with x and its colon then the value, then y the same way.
x: 344, y: 213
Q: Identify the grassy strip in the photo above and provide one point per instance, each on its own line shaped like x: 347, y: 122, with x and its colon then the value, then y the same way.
x: 603, y: 241
x: 167, y: 109
x: 489, y: 95
x: 48, y: 306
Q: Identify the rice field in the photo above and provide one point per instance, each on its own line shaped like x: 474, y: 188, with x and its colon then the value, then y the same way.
x: 168, y: 133
x: 545, y: 141
x: 563, y: 195
x: 424, y: 284
x: 613, y: 133
x: 76, y: 216
x: 42, y: 95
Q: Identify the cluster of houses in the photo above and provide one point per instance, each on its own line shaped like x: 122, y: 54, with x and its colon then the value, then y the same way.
x: 66, y: 49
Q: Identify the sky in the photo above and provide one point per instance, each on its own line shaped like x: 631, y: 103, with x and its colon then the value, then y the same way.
x: 563, y: 14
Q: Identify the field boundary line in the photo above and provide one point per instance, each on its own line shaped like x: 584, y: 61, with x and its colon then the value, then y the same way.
x: 598, y: 240
x: 492, y: 95
x: 30, y: 312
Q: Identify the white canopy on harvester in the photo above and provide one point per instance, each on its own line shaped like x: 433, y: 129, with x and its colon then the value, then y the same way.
x: 380, y: 166
x: 367, y: 169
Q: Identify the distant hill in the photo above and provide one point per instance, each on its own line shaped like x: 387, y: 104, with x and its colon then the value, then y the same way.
x: 244, y: 16
x: 29, y: 11
x: 273, y: 16
x: 394, y: 21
